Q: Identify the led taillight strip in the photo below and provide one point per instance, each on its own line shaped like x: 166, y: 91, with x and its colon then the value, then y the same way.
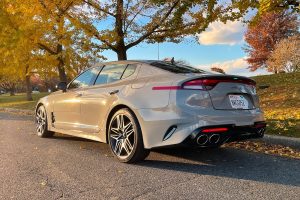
x: 204, y: 84
x: 213, y: 130
x: 166, y: 88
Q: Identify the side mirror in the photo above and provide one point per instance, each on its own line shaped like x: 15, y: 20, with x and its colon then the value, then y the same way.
x: 262, y: 87
x: 62, y: 86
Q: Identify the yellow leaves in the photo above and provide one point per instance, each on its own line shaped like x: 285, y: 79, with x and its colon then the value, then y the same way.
x: 281, y: 103
x: 262, y: 147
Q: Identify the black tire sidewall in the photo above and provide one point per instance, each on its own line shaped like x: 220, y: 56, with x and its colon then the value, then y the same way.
x: 138, y: 140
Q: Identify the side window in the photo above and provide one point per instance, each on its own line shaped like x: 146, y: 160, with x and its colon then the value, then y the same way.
x: 85, y: 79
x: 129, y: 71
x: 110, y: 73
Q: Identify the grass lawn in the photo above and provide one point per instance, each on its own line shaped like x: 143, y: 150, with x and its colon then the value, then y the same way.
x: 281, y: 103
x: 19, y: 101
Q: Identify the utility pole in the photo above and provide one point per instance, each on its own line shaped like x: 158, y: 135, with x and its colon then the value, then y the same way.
x: 157, y: 50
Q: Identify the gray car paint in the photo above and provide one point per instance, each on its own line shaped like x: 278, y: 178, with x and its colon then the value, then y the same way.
x: 86, y: 115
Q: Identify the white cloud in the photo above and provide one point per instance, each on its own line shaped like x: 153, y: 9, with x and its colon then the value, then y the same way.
x: 235, y: 67
x: 230, y: 33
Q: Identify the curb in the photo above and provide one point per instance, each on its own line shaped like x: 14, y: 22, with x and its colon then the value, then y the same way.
x: 271, y: 139
x: 282, y: 140
x: 17, y: 111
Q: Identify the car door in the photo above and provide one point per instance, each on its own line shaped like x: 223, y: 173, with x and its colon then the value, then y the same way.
x: 97, y: 100
x: 67, y: 105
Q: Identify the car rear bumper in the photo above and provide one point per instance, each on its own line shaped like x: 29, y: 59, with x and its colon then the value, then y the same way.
x: 167, y: 127
x: 233, y: 133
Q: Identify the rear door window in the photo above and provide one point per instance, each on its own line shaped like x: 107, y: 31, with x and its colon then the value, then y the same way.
x: 110, y: 73
x: 129, y: 71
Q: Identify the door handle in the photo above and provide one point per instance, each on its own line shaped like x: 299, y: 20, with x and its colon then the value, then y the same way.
x: 113, y: 92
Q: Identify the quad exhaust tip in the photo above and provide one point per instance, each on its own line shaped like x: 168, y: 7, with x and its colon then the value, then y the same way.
x: 261, y: 132
x: 214, y: 138
x: 202, y: 139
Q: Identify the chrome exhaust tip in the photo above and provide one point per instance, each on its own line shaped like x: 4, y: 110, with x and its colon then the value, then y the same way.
x: 214, y: 138
x: 202, y: 139
x: 261, y: 132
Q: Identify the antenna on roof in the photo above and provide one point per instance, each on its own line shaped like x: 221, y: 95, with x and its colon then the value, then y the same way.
x: 158, y: 51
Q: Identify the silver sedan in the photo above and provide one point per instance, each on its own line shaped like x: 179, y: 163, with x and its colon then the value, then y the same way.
x: 136, y: 106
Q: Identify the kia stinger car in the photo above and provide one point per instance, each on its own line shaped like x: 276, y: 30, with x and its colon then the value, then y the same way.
x: 136, y: 106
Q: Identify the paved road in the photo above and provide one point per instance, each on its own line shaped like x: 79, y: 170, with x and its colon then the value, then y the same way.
x: 70, y: 168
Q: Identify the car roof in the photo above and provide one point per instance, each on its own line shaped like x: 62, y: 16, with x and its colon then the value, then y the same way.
x: 127, y: 62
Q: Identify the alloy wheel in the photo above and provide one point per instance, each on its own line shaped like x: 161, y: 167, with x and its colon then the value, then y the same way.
x: 122, y: 137
x: 41, y: 120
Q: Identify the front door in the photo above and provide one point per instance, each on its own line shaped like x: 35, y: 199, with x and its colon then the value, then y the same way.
x: 67, y: 105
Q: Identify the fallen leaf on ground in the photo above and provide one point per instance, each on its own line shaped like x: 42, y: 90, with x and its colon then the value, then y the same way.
x: 263, y: 147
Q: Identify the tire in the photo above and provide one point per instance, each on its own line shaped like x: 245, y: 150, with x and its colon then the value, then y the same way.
x: 42, y: 123
x: 125, y: 137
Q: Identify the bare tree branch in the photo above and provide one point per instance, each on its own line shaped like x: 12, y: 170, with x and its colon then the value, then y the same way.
x: 93, y: 32
x: 97, y: 7
x: 147, y: 34
x: 46, y: 48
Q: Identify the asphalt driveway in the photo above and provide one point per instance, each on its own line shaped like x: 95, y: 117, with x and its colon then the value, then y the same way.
x: 70, y: 168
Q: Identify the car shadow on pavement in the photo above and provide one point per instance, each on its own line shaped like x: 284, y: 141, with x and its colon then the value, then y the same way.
x: 227, y: 162
x: 59, y: 136
x: 222, y: 162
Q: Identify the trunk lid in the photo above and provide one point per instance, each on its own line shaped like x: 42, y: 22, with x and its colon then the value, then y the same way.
x: 228, y: 92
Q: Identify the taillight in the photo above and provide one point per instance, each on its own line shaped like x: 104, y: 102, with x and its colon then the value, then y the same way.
x: 213, y: 130
x: 208, y: 84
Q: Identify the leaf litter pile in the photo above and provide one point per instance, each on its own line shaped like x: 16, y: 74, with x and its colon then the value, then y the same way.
x: 263, y: 147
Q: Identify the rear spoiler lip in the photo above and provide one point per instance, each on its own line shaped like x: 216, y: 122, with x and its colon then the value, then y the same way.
x: 214, y: 76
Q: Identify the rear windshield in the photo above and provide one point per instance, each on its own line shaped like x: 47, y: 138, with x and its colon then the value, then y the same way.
x: 176, y: 68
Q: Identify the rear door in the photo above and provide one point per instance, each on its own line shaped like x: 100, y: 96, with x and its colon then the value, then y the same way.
x: 97, y: 100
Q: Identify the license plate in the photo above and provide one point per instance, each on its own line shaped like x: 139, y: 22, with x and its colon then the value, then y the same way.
x: 238, y: 102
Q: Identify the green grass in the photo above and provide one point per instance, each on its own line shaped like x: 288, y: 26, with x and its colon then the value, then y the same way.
x: 281, y: 103
x: 19, y: 101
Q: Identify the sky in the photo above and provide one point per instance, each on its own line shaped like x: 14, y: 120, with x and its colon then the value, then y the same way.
x: 221, y: 45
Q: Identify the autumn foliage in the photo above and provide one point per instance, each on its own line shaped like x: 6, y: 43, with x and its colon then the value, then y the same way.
x: 263, y: 36
x: 286, y: 56
x: 217, y: 69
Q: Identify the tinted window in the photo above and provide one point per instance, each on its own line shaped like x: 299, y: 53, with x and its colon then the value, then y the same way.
x: 85, y: 79
x: 110, y: 73
x: 176, y: 68
x: 129, y: 71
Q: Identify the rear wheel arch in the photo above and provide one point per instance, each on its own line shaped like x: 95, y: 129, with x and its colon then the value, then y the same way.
x: 118, y: 136
x: 112, y: 112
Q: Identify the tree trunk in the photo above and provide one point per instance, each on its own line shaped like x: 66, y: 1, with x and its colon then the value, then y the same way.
x: 59, y: 51
x: 28, y: 88
x: 122, y: 54
x: 12, y: 90
x: 121, y: 49
x: 61, y: 65
x: 62, y: 73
